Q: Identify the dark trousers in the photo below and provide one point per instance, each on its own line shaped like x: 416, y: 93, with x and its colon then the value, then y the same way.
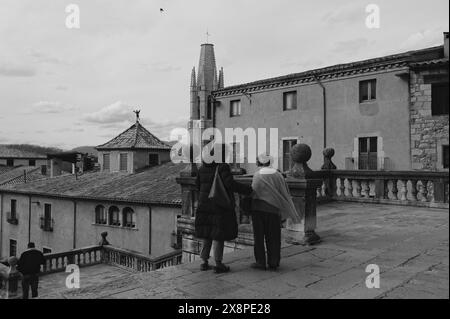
x: 217, y: 247
x: 267, y: 229
x: 27, y: 282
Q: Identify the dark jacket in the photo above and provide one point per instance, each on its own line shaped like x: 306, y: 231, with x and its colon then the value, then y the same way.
x: 30, y: 262
x: 212, y: 222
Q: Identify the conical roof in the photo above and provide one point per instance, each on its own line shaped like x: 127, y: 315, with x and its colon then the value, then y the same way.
x: 135, y: 137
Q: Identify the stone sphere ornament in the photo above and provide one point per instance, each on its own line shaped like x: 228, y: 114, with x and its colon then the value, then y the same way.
x: 328, y: 164
x: 300, y: 155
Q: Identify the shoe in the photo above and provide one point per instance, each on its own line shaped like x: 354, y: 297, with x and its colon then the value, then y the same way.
x: 273, y: 268
x: 205, y: 266
x: 258, y: 266
x: 221, y: 268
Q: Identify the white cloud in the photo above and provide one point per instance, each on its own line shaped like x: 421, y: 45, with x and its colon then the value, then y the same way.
x: 52, y: 107
x: 16, y: 71
x: 422, y: 39
x: 115, y: 113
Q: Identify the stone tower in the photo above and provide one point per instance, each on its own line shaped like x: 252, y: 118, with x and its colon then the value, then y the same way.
x: 202, y: 86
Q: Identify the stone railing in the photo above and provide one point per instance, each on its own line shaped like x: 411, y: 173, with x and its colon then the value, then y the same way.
x: 415, y: 188
x: 124, y: 258
x: 428, y: 189
x: 82, y: 257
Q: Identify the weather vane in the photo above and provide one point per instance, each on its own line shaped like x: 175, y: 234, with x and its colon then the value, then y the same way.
x: 207, y: 36
x: 137, y: 112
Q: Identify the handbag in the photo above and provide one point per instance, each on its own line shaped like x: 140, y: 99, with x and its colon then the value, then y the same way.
x: 218, y: 193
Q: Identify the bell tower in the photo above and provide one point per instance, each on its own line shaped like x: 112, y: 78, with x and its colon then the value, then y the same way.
x: 202, y: 85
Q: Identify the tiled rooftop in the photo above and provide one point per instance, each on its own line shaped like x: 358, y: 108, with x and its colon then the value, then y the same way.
x: 347, y: 69
x: 16, y: 175
x: 409, y: 244
x: 136, y: 137
x: 155, y: 185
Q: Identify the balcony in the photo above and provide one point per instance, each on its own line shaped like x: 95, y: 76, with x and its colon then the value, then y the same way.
x: 12, y: 219
x: 47, y: 224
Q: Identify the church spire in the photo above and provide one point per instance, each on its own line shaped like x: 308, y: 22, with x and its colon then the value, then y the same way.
x: 221, y: 79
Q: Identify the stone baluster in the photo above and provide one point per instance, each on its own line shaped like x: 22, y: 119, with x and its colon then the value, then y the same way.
x: 403, y: 190
x: 341, y: 187
x: 365, y: 189
x: 357, y: 188
x: 349, y: 188
x: 393, y: 190
x: 413, y: 191
x: 423, y: 193
x: 303, y: 189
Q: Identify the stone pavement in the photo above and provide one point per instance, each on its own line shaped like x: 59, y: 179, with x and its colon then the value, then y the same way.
x: 410, y: 245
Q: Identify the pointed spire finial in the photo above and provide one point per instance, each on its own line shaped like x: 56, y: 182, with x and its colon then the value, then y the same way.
x: 137, y: 112
x: 207, y: 36
x: 193, y: 78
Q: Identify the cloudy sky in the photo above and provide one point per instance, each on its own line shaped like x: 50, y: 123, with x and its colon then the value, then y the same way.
x: 71, y: 87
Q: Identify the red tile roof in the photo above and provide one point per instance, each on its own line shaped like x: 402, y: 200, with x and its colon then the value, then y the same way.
x: 155, y: 185
x: 135, y: 137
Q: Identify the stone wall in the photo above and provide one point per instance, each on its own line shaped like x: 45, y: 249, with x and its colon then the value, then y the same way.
x: 428, y: 133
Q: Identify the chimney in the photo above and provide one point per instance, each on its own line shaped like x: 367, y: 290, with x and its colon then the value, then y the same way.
x: 55, y: 167
x: 446, y: 45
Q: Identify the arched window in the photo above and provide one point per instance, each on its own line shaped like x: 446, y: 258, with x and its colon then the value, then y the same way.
x: 128, y: 218
x: 114, y: 216
x: 100, y: 215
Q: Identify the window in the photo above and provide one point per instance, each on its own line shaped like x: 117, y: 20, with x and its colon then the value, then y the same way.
x: 235, y: 108
x: 10, y: 162
x: 128, y: 218
x: 100, y: 215
x: 106, y: 162
x: 114, y: 216
x: 236, y: 155
x: 439, y: 99
x: 46, y: 220
x: 287, y: 147
x: 13, y: 208
x: 123, y: 160
x: 46, y: 250
x: 367, y: 91
x: 153, y: 159
x: 290, y: 101
x: 445, y: 157
x: 12, y: 247
x: 209, y: 109
x: 368, y: 153
x: 12, y: 215
x: 32, y: 162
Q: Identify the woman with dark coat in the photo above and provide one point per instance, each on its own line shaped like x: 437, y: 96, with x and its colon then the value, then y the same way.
x: 214, y: 224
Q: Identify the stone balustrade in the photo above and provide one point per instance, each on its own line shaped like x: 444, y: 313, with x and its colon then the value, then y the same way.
x: 425, y: 189
x: 124, y: 258
x: 58, y: 262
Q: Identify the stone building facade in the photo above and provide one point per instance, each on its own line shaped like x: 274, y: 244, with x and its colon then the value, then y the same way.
x: 377, y: 113
x: 429, y: 84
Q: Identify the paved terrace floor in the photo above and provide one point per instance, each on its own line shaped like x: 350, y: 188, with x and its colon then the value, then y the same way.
x: 410, y: 245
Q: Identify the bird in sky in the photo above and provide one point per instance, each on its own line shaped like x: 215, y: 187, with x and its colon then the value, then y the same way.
x: 161, y: 10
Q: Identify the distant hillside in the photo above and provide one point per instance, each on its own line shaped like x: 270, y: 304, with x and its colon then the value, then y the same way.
x: 34, y: 148
x: 86, y: 149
